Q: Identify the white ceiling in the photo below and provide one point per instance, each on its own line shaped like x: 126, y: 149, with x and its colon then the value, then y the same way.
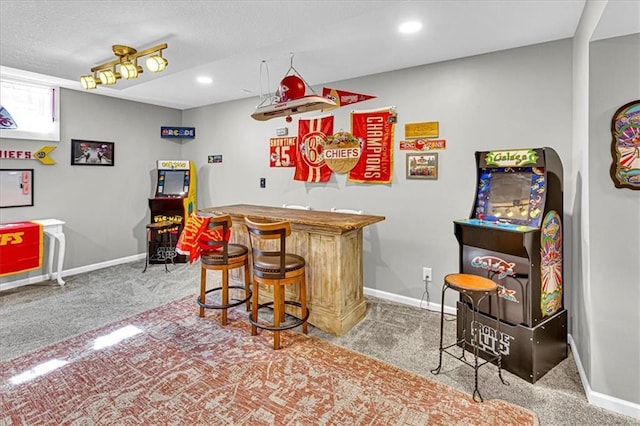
x: 229, y: 40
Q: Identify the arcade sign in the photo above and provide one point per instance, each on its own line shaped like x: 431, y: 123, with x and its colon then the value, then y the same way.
x: 177, y: 132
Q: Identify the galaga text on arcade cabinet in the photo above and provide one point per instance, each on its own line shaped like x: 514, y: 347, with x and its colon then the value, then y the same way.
x: 514, y: 237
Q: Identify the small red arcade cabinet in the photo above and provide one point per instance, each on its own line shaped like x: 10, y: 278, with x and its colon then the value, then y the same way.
x: 175, y: 200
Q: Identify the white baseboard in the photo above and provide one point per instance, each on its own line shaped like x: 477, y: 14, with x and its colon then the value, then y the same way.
x: 598, y: 399
x: 74, y: 271
x: 430, y: 306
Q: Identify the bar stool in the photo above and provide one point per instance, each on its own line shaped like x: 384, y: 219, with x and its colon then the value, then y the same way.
x: 217, y: 254
x: 474, y: 289
x: 159, y: 240
x: 273, y: 266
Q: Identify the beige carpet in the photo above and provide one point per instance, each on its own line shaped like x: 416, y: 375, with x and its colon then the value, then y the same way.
x: 167, y: 366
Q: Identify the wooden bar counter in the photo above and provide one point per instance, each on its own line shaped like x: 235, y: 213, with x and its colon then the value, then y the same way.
x: 331, y: 243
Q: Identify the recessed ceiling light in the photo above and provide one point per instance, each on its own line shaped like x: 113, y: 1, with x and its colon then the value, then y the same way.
x: 410, y: 27
x: 204, y: 80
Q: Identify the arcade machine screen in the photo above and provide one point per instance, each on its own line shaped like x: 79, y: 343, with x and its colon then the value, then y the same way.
x: 511, y: 195
x: 173, y: 183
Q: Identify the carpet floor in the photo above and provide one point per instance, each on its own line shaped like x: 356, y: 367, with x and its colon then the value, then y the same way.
x: 40, y: 315
x: 168, y: 366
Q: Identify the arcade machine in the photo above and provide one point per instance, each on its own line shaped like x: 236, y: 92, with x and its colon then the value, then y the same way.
x: 174, y: 201
x: 514, y: 237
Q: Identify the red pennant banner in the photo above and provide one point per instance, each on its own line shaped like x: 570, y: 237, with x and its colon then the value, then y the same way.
x: 312, y: 137
x: 376, y: 130
x: 342, y: 97
x: 20, y: 247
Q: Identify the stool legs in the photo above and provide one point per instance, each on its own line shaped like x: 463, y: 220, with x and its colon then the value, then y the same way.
x: 279, y: 304
x: 226, y: 301
x: 254, y: 308
x: 437, y: 370
x: 303, y: 301
x: 203, y: 292
x: 247, y: 284
x: 225, y: 295
x: 475, y: 329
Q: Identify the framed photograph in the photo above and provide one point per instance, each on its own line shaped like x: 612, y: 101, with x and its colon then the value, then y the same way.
x: 16, y: 187
x: 92, y: 153
x: 422, y: 166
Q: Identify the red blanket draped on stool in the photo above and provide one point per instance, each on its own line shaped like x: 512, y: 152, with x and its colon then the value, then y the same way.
x: 195, y: 235
x: 20, y: 247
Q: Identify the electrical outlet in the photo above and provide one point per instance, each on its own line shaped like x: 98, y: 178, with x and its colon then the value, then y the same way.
x: 426, y: 274
x: 263, y: 182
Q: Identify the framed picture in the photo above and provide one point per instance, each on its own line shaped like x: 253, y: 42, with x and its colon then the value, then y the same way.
x: 92, y: 153
x: 16, y: 187
x: 422, y: 166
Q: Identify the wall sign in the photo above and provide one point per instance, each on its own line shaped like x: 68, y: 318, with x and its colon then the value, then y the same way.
x: 177, y: 132
x: 41, y: 155
x: 625, y: 146
x: 426, y: 129
x: 282, y: 152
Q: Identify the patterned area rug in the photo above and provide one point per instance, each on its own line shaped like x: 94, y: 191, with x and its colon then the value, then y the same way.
x: 168, y: 366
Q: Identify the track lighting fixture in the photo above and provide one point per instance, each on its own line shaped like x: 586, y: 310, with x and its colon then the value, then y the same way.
x: 126, y: 66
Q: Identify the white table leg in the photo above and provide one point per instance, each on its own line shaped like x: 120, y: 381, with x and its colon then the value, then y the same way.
x: 61, y: 247
x: 52, y: 244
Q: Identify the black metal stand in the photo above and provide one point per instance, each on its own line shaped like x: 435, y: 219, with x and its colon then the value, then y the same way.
x: 160, y: 247
x: 474, y: 300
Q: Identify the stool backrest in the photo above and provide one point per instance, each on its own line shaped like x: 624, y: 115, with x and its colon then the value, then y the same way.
x: 337, y: 210
x: 296, y: 206
x: 276, y: 253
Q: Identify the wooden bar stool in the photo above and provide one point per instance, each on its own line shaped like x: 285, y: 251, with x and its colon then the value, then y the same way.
x: 474, y: 289
x: 273, y: 266
x: 217, y: 254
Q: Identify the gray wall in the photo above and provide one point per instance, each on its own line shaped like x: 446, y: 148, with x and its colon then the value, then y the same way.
x: 510, y: 99
x: 615, y: 228
x: 105, y: 208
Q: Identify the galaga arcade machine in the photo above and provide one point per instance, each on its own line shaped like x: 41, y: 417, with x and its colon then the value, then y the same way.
x: 174, y: 201
x: 514, y: 237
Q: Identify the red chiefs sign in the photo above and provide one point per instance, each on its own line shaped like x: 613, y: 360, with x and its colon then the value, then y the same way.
x: 20, y: 247
x: 282, y: 152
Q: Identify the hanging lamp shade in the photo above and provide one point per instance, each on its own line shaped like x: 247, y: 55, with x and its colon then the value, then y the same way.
x: 88, y: 82
x: 156, y: 63
x: 129, y: 71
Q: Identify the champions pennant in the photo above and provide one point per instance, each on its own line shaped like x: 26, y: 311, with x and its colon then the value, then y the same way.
x: 312, y: 137
x: 376, y: 160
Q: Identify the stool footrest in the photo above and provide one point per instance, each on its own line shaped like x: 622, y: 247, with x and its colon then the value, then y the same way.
x: 297, y: 322
x: 229, y: 305
x: 461, y: 358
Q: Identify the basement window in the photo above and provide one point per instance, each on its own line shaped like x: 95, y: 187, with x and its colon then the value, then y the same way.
x: 34, y: 108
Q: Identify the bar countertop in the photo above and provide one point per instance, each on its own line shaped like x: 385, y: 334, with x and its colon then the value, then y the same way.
x: 315, y: 218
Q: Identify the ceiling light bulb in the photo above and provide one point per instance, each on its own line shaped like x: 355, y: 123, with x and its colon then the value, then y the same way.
x: 204, y: 80
x: 88, y: 82
x: 107, y: 77
x: 128, y: 71
x: 410, y: 27
x: 156, y: 63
